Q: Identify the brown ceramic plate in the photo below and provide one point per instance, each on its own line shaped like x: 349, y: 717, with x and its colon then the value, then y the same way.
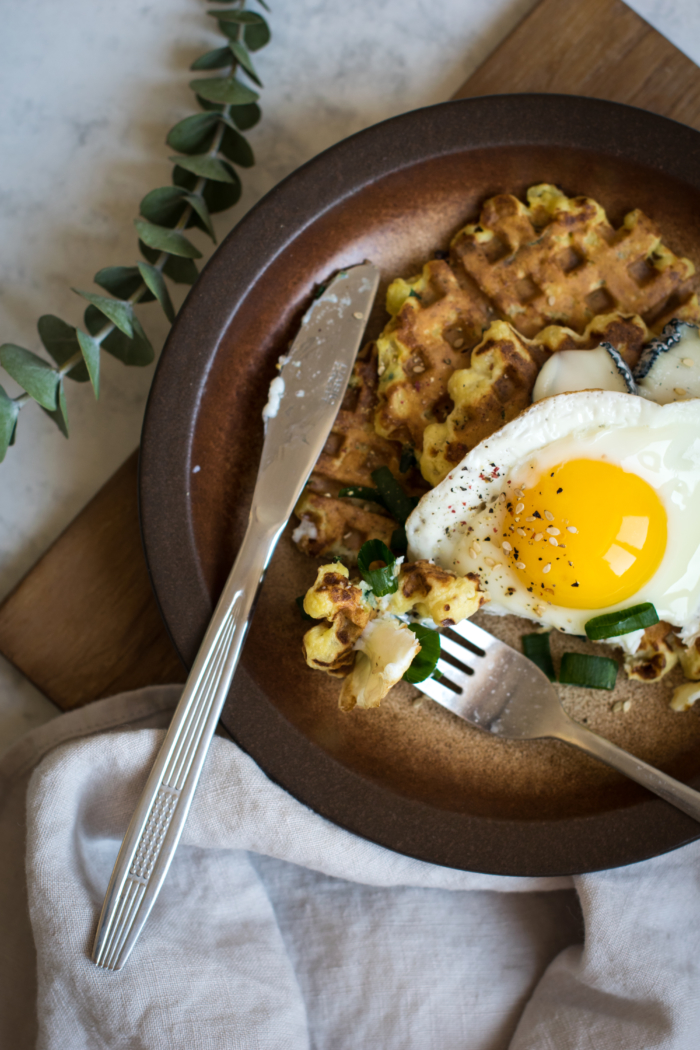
x: 411, y: 777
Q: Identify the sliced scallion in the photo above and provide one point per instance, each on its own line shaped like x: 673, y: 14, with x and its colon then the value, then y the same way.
x: 425, y: 661
x: 536, y: 648
x: 624, y: 621
x: 382, y: 580
x: 592, y: 672
x: 395, y: 499
x: 399, y: 541
x: 362, y: 492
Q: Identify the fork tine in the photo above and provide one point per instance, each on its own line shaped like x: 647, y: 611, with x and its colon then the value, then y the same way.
x: 471, y: 634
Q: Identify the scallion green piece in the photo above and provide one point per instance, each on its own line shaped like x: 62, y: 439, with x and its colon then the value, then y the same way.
x: 382, y: 581
x: 362, y: 492
x: 624, y: 621
x: 408, y: 459
x: 593, y: 672
x: 399, y: 541
x: 424, y: 663
x: 536, y: 648
x: 395, y: 499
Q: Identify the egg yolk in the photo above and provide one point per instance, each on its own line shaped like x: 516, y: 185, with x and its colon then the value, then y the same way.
x: 585, y: 535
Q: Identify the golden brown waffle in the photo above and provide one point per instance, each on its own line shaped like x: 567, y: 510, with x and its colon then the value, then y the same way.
x: 338, y: 527
x: 354, y: 449
x: 498, y: 383
x: 557, y: 260
x: 436, y: 320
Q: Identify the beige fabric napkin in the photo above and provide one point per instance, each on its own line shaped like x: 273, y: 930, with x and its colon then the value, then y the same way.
x: 277, y: 929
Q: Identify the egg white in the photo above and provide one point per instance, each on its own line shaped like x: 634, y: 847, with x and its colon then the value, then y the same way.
x: 659, y: 443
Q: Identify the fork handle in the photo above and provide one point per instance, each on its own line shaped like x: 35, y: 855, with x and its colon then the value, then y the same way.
x: 157, y: 823
x: 680, y: 795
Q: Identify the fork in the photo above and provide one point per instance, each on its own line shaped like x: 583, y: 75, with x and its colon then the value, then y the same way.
x: 497, y: 689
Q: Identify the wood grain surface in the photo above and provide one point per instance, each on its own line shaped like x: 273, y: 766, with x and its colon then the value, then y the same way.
x: 83, y: 623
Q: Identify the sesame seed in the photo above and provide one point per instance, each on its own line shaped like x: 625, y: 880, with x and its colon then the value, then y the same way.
x: 688, y: 362
x: 626, y: 704
x: 553, y: 541
x: 506, y: 546
x: 502, y: 497
x: 539, y: 610
x: 519, y: 493
x: 477, y: 546
x: 520, y: 564
x: 419, y: 368
x: 520, y: 508
x: 548, y: 515
x: 358, y: 316
x: 571, y: 528
x: 552, y: 531
x: 472, y: 552
x: 547, y: 567
x: 679, y: 390
x: 531, y: 518
x: 521, y: 532
x: 537, y: 537
x: 490, y: 562
x: 458, y: 343
x: 551, y: 300
x: 617, y: 707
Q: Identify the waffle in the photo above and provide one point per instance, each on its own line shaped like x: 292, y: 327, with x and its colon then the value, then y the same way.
x: 338, y: 527
x: 498, y: 383
x: 557, y: 260
x: 435, y: 323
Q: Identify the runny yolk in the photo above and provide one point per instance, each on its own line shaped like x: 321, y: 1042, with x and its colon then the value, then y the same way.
x: 586, y: 534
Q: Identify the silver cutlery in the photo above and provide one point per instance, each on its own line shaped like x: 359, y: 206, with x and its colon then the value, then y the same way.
x: 497, y: 689
x: 304, y: 401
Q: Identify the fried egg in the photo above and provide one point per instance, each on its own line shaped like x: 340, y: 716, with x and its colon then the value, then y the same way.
x: 586, y: 503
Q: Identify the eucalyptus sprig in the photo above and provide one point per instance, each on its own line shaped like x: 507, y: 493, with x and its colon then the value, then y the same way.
x: 209, y: 147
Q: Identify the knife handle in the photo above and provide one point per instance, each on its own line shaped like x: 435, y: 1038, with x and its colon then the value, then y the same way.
x: 154, y: 832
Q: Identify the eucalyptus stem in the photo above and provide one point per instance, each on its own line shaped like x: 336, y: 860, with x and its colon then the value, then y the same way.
x: 204, y: 181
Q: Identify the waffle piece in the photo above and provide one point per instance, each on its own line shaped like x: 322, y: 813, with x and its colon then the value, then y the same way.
x: 354, y: 449
x: 498, y: 383
x: 557, y: 260
x: 656, y: 654
x: 338, y: 527
x: 436, y: 320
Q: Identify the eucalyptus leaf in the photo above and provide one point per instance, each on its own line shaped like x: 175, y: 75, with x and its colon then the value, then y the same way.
x: 193, y: 134
x: 204, y: 166
x: 218, y: 195
x: 163, y: 206
x: 61, y: 341
x: 153, y: 279
x: 91, y: 352
x: 33, y: 374
x: 165, y: 240
x: 224, y: 89
x: 238, y: 17
x: 117, y: 311
x: 182, y: 271
x: 236, y: 147
x: 137, y: 351
x: 240, y: 52
x: 198, y: 205
x: 210, y: 107
x: 122, y: 281
x: 257, y: 35
x: 60, y: 413
x: 9, y: 410
x: 216, y: 59
x: 245, y: 117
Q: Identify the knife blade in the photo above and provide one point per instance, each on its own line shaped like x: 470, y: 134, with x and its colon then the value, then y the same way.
x: 303, y: 403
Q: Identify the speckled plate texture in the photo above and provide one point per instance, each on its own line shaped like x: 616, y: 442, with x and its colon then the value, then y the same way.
x: 409, y: 775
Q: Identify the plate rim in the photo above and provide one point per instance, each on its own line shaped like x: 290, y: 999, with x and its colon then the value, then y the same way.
x: 624, y: 835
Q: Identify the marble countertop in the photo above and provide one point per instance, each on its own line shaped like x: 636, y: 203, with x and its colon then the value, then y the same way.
x: 90, y: 91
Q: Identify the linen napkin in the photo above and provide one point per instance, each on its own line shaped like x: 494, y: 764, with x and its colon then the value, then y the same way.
x: 276, y: 929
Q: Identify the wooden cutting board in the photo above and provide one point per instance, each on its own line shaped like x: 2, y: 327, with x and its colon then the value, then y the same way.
x: 83, y: 623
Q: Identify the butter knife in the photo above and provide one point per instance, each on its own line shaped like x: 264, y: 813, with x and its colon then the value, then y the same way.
x: 303, y: 403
